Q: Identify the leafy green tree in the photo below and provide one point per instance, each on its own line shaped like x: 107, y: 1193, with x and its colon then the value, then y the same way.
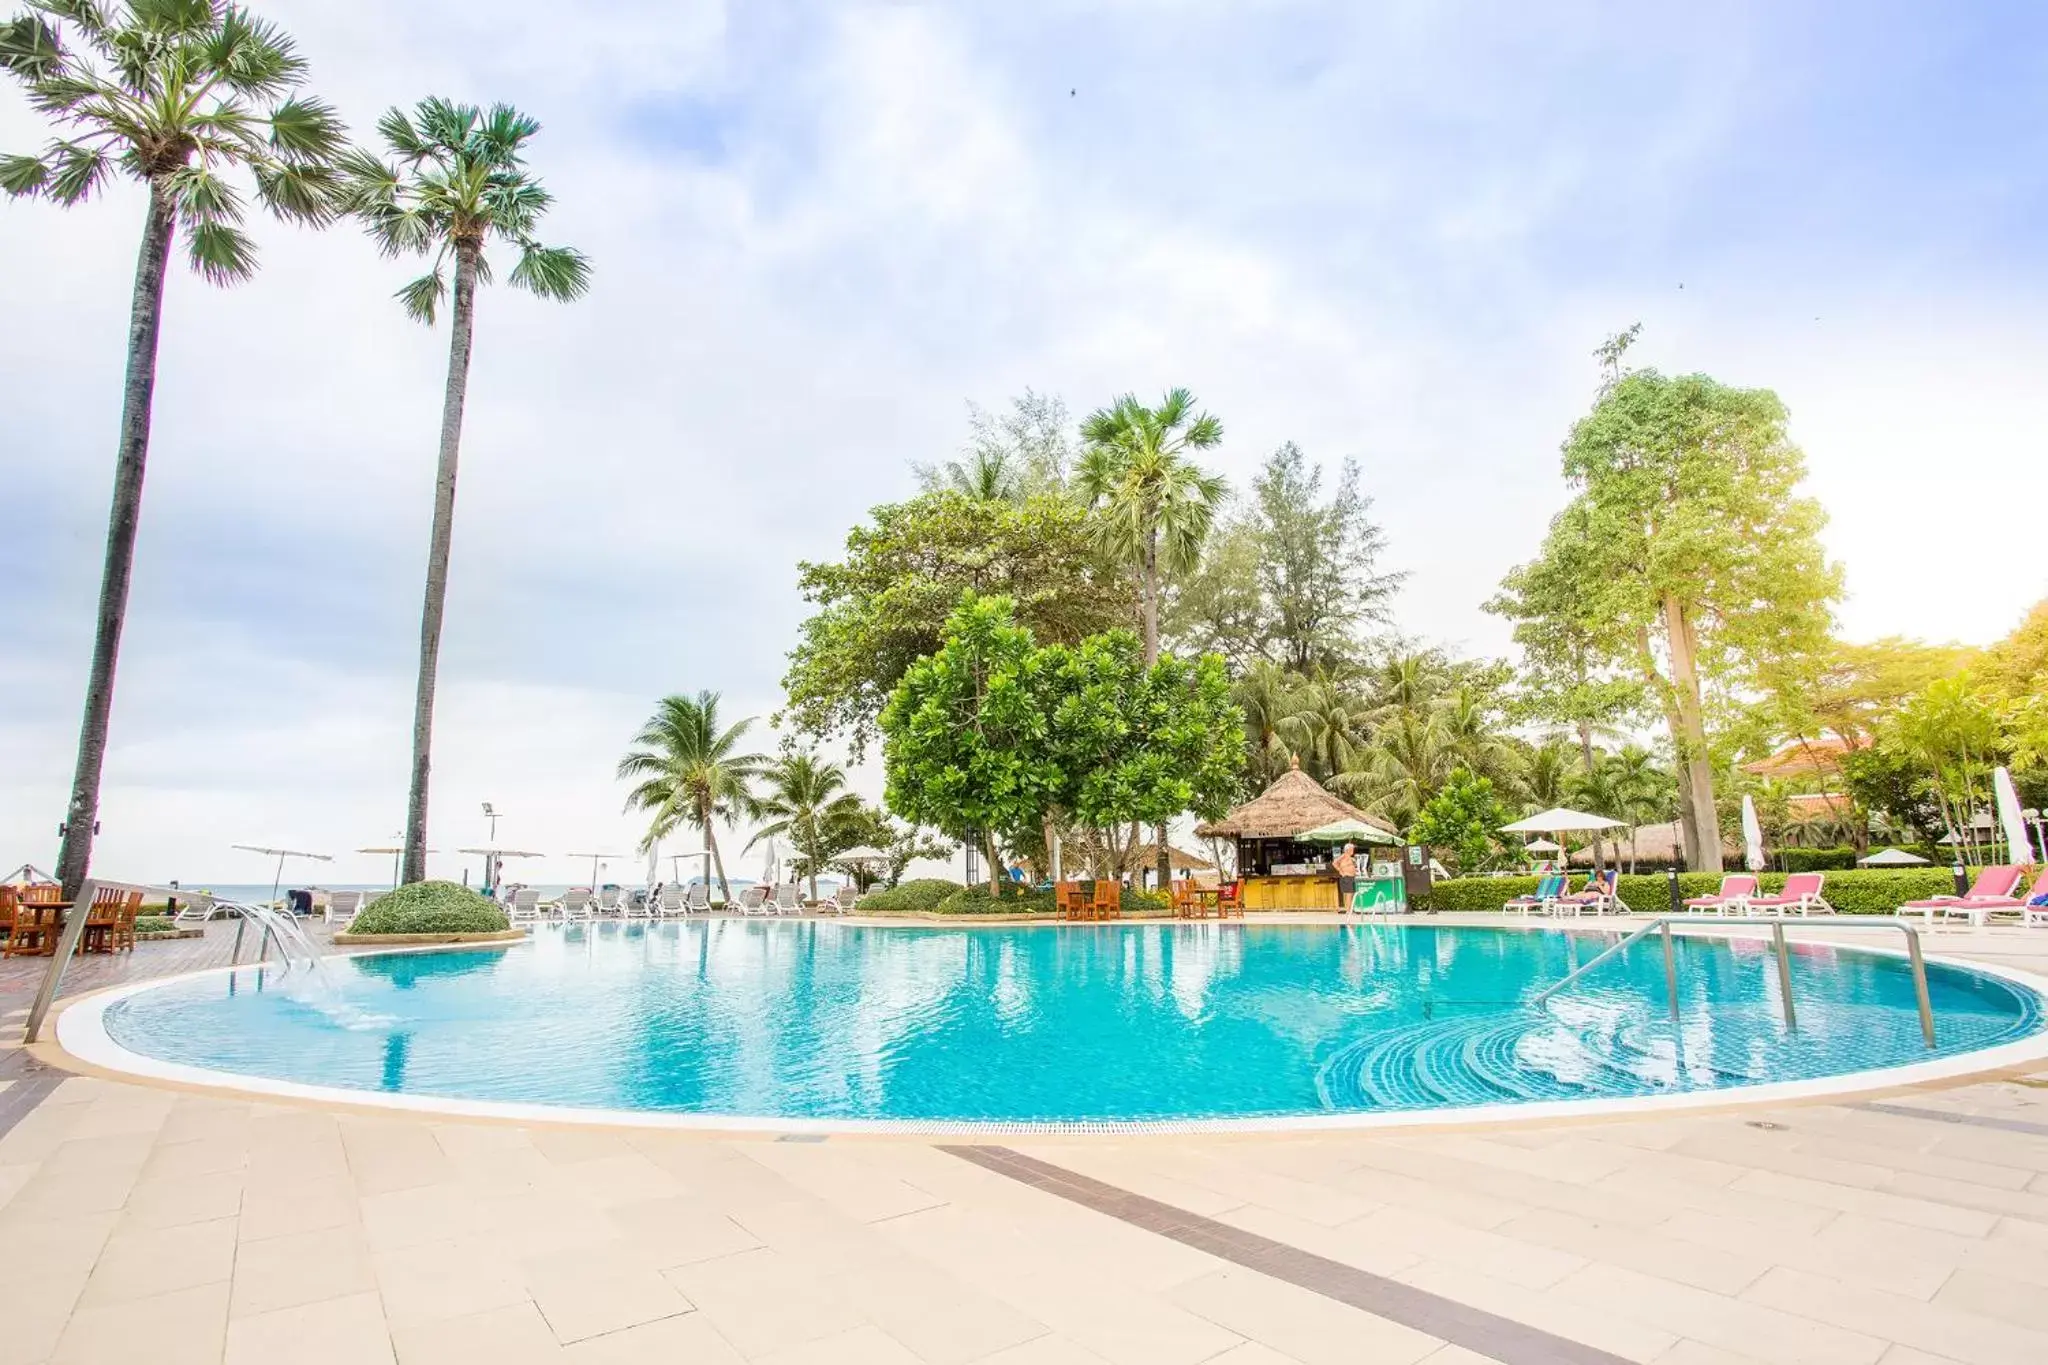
x: 806, y: 802
x: 1953, y: 731
x: 1695, y: 556
x: 690, y: 771
x: 1021, y: 453
x: 1269, y: 696
x: 886, y: 603
x: 458, y: 181
x: 1460, y: 822
x: 1640, y: 789
x: 964, y: 733
x: 175, y: 94
x: 1219, y: 608
x: 904, y: 844
x: 1318, y: 573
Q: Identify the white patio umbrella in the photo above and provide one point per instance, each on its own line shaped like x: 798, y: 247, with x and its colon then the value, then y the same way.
x: 394, y: 852
x: 2019, y: 847
x: 1892, y: 857
x: 493, y: 854
x: 1543, y: 846
x: 281, y: 854
x: 1752, y: 837
x: 1347, y: 832
x: 1559, y: 820
x: 595, y: 858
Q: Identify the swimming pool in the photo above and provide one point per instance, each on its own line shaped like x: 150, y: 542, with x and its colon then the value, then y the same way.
x: 808, y: 1022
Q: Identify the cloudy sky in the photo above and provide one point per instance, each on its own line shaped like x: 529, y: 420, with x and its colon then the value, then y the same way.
x: 1393, y: 231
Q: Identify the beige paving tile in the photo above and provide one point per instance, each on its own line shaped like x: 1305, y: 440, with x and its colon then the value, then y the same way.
x: 34, y: 1306
x: 196, y: 1118
x: 1733, y: 1140
x: 761, y: 1302
x: 1139, y: 1330
x: 1354, y: 1243
x: 142, y: 1262
x: 392, y: 1155
x: 1756, y: 1324
x: 716, y: 1172
x: 1966, y: 1194
x: 623, y: 1178
x: 275, y: 1207
x: 861, y: 1346
x: 1051, y: 1350
x: 1299, y: 1323
x: 182, y: 1160
x: 539, y: 1221
x: 1909, y: 1322
x: 301, y: 1267
x: 1845, y: 1249
x: 1906, y: 1355
x: 184, y: 1327
x: 1897, y: 1208
x: 678, y: 1230
x: 486, y: 1154
x: 1248, y: 1184
x: 170, y: 1201
x: 517, y: 1335
x: 442, y: 1280
x: 1699, y: 1353
x: 1661, y: 1193
x: 1996, y: 1296
x: 688, y: 1339
x: 580, y: 1302
x: 1517, y: 1190
x: 843, y: 1180
x: 12, y: 1178
x: 1425, y: 1237
x: 1716, y: 1268
x: 425, y: 1215
x: 1448, y: 1354
x: 343, y: 1331
x: 566, y: 1145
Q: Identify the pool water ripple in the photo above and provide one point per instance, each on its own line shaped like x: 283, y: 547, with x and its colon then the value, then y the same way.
x: 1130, y: 1022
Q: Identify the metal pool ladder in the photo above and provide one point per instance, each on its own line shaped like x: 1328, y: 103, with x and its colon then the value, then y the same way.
x: 1663, y: 923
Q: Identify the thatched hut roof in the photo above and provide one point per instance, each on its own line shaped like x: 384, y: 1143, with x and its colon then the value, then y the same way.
x: 1147, y: 855
x: 1293, y: 805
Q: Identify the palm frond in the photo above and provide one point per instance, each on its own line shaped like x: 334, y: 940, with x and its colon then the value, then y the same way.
x: 553, y: 272
x: 76, y: 173
x: 404, y: 140
x: 423, y: 296
x: 63, y: 95
x: 201, y: 196
x: 443, y: 123
x: 299, y: 193
x: 252, y: 56
x: 23, y: 175
x: 220, y: 252
x: 29, y: 49
x: 505, y: 128
x: 307, y: 129
x: 172, y: 18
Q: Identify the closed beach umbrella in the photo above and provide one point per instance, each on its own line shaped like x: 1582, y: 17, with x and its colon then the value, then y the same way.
x: 653, y: 864
x: 2019, y: 847
x: 1752, y: 837
x: 771, y: 866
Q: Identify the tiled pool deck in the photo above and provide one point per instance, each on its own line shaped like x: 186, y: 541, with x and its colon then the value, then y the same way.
x: 146, y: 1224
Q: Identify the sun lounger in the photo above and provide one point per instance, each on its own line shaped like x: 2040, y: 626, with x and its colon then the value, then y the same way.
x: 343, y: 906
x: 575, y: 906
x: 1994, y: 889
x: 1547, y: 890
x: 1738, y: 889
x: 698, y: 899
x: 754, y: 901
x: 1801, y: 896
x: 1599, y: 896
x: 789, y: 899
x: 525, y: 906
x: 194, y: 909
x: 843, y: 901
x: 2031, y: 907
x: 669, y: 902
x: 635, y: 907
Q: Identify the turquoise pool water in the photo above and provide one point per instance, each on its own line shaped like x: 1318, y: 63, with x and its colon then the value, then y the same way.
x: 1081, y: 1023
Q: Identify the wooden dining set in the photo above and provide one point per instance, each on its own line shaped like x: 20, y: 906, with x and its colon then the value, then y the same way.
x: 32, y: 917
x: 1191, y: 900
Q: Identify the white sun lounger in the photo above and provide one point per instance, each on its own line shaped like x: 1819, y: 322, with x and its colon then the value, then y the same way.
x: 699, y: 899
x: 842, y: 903
x: 754, y: 901
x: 575, y: 906
x: 525, y: 907
x: 789, y: 899
x: 343, y: 906
x: 670, y: 902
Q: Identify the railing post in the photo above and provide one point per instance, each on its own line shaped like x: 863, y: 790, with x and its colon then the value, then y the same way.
x: 1784, y: 973
x: 1670, y: 971
x: 1920, y: 983
x: 67, y: 944
x: 241, y: 924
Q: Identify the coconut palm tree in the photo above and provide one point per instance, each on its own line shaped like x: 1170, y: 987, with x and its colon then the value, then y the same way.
x: 1157, y: 506
x: 1268, y: 695
x: 807, y: 803
x: 985, y: 475
x: 1327, y: 726
x: 459, y: 182
x: 691, y: 772
x: 175, y: 95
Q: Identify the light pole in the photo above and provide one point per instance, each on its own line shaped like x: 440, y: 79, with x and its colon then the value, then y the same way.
x: 492, y: 816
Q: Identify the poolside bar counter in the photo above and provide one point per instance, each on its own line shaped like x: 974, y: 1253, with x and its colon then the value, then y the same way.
x: 1280, y: 872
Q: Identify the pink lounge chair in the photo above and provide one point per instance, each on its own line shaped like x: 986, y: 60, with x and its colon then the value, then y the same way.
x: 1801, y: 896
x: 2032, y: 907
x: 1993, y: 890
x: 1738, y: 889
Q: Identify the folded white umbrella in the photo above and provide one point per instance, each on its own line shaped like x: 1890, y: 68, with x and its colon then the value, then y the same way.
x: 2019, y: 847
x: 1752, y: 837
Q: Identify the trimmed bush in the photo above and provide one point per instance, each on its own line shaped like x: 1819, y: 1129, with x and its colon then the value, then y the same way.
x: 1816, y: 859
x: 1010, y: 900
x: 430, y: 908
x: 917, y: 894
x: 154, y: 924
x: 1860, y: 891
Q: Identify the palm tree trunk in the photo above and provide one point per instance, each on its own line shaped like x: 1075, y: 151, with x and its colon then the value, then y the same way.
x: 466, y: 254
x: 145, y: 318
x: 704, y: 815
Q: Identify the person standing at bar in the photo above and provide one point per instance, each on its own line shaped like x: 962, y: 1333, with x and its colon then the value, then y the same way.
x: 1346, y: 866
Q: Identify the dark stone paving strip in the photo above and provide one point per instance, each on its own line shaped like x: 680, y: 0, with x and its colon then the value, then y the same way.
x: 1914, y: 1111
x: 1460, y: 1324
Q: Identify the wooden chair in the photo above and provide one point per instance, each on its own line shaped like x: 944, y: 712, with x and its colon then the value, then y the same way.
x: 36, y: 919
x: 104, y: 918
x: 7, y: 902
x: 124, y: 923
x: 1108, y: 900
x: 1230, y: 900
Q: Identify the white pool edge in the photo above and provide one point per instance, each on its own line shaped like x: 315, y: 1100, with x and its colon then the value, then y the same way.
x: 82, y: 1032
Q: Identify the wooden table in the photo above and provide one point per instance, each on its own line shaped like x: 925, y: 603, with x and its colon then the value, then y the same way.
x: 43, y: 919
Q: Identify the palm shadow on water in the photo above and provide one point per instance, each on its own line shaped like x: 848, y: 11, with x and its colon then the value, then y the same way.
x: 397, y: 1049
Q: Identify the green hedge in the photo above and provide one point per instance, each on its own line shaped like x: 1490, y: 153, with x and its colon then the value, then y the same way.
x: 1816, y: 859
x: 919, y: 893
x: 1863, y: 891
x: 429, y: 908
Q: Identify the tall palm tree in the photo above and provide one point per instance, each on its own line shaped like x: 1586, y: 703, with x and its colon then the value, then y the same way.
x: 1327, y: 726
x: 985, y: 475
x: 808, y: 804
x: 174, y: 95
x: 1268, y: 695
x: 1157, y: 505
x: 460, y: 181
x: 690, y: 772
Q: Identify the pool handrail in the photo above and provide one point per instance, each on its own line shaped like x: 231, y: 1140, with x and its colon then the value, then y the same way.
x: 1777, y: 924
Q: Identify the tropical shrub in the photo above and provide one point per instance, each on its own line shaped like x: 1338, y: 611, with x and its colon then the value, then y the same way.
x: 917, y: 894
x: 146, y: 925
x: 430, y: 908
x: 1862, y: 891
x: 1011, y: 900
x: 1816, y: 859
